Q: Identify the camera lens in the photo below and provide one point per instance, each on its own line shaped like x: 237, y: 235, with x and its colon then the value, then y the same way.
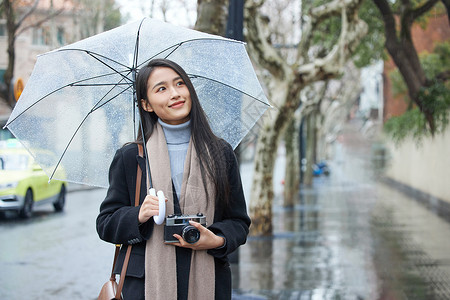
x: 190, y: 234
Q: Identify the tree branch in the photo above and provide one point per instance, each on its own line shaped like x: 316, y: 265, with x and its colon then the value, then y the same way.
x: 390, y: 29
x: 258, y: 41
x: 406, y: 3
x: 315, y: 17
x: 447, y: 7
x: 40, y: 22
x: 443, y: 76
x: 27, y: 14
x: 419, y: 11
x: 318, y: 93
x: 353, y: 29
x: 332, y: 8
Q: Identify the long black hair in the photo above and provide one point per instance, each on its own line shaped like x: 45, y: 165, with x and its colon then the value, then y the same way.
x: 209, y: 148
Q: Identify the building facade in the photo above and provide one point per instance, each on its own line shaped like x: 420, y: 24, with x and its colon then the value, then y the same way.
x: 51, y: 25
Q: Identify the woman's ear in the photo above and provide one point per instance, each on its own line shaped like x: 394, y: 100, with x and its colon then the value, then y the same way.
x: 146, y: 105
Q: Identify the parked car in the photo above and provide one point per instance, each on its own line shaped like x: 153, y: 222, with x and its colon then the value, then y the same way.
x: 24, y: 184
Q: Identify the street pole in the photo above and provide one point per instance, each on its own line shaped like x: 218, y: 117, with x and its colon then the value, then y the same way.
x: 234, y: 30
x: 235, y: 25
x: 235, y: 22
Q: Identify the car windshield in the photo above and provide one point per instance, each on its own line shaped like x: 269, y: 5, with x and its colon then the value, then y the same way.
x: 15, y: 162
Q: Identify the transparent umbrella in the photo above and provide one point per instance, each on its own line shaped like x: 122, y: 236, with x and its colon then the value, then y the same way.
x: 79, y: 103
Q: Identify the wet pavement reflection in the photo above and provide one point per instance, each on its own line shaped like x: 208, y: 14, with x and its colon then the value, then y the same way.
x: 350, y: 236
x: 54, y: 256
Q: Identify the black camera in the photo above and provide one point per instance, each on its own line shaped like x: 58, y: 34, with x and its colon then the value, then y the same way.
x: 179, y: 224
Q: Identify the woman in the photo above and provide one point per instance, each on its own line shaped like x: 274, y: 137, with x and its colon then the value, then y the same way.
x: 197, y: 172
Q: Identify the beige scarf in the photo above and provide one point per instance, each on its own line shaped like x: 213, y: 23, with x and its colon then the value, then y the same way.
x: 160, y: 259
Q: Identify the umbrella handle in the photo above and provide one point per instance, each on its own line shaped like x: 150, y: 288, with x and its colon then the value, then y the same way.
x: 159, y: 219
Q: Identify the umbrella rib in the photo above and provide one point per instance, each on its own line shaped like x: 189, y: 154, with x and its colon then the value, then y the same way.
x: 133, y: 75
x: 37, y: 101
x: 232, y: 87
x: 100, y: 84
x: 79, y: 126
x: 91, y: 54
x: 176, y: 46
x: 68, y: 144
x: 136, y: 47
x: 135, y: 60
x: 95, y: 107
x: 94, y: 54
x: 56, y: 90
x: 76, y: 83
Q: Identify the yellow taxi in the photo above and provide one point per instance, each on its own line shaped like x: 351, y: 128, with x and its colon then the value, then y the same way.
x: 24, y: 184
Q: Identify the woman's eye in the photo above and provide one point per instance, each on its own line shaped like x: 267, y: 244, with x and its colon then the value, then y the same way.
x: 161, y: 89
x: 180, y: 83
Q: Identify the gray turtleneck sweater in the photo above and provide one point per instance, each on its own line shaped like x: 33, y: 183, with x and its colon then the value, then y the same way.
x: 177, y: 138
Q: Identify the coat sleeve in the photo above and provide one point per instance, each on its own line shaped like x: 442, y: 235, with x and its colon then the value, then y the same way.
x: 233, y: 222
x: 117, y: 221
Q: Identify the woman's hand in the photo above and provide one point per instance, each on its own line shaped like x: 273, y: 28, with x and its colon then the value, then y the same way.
x: 149, y: 208
x: 208, y: 240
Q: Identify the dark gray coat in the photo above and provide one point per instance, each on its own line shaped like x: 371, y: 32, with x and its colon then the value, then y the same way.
x: 118, y: 219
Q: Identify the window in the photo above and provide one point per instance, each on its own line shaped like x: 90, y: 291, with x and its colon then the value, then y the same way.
x: 15, y: 162
x: 41, y: 36
x: 60, y: 36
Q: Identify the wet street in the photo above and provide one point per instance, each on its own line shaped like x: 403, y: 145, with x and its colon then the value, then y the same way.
x: 55, y: 255
x: 350, y: 236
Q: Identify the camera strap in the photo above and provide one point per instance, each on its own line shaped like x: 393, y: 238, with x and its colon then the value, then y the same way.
x: 176, y: 203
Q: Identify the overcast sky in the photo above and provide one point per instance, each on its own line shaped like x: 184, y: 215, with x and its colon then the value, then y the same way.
x: 179, y: 12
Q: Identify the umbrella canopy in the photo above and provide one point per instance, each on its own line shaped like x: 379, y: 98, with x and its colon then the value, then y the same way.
x: 79, y: 101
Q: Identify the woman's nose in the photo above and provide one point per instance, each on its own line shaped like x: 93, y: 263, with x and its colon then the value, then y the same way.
x: 174, y: 92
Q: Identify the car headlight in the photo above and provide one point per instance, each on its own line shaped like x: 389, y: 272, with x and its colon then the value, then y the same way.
x: 8, y: 185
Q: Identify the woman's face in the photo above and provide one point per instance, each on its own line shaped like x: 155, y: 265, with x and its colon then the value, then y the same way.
x: 168, y: 96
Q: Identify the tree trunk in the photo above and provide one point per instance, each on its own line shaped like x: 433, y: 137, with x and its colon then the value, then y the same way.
x: 100, y: 22
x: 12, y: 27
x: 292, y: 171
x: 404, y: 54
x: 212, y: 16
x: 262, y: 188
x: 11, y: 31
x: 265, y: 156
x: 310, y: 148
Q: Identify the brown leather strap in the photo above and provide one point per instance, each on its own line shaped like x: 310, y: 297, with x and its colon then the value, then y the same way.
x: 123, y: 273
x: 138, y: 178
x: 113, y: 276
x: 136, y: 203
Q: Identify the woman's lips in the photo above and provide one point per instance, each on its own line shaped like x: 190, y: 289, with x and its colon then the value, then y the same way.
x: 177, y: 104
